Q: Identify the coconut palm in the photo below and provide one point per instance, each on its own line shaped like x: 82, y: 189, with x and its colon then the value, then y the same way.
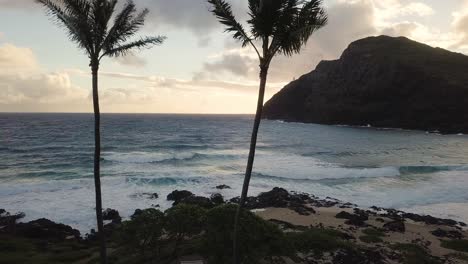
x: 277, y: 27
x: 88, y: 23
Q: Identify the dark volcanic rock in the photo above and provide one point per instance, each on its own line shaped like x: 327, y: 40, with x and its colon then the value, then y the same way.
x: 8, y: 221
x: 136, y: 214
x: 395, y: 226
x: 453, y: 234
x: 111, y: 215
x: 197, y: 200
x: 45, y: 229
x: 430, y: 220
x: 177, y: 195
x: 356, y: 219
x: 346, y: 215
x: 384, y: 82
x: 217, y: 198
x: 280, y: 198
x: 152, y: 196
x: 222, y: 187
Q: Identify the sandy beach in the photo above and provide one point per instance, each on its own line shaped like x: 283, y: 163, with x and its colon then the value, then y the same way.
x: 415, y: 232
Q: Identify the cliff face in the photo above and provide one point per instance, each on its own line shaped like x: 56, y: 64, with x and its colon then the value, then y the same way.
x: 384, y: 82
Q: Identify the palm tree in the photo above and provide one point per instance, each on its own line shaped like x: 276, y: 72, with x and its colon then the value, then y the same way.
x: 88, y: 25
x: 279, y: 27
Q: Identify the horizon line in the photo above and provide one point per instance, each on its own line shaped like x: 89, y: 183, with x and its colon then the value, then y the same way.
x: 127, y: 113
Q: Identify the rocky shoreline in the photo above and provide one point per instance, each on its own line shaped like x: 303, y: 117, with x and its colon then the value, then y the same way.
x: 372, y: 229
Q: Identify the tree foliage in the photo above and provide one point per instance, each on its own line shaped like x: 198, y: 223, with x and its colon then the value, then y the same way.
x: 258, y: 238
x: 88, y: 23
x: 282, y: 26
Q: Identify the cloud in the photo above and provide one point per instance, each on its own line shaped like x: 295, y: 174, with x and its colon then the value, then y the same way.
x: 460, y: 27
x: 16, y: 59
x: 233, y: 63
x: 23, y: 85
x: 394, y: 9
x: 191, y: 15
x: 227, y: 81
x: 19, y: 4
x: 39, y: 89
x: 348, y: 21
x: 132, y: 60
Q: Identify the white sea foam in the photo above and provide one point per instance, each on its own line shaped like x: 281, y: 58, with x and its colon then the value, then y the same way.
x: 401, y: 169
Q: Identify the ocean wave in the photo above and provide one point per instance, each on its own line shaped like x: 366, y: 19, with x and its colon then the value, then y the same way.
x: 339, y: 173
x: 162, y: 158
x: 165, y: 180
x: 430, y: 169
x: 352, y: 173
x: 193, y: 157
x: 179, y: 147
x: 335, y: 153
x: 45, y: 149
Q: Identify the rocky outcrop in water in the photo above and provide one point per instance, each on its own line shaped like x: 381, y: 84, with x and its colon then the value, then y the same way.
x: 382, y: 82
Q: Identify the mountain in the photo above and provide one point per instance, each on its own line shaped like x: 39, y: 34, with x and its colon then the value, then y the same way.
x: 383, y: 82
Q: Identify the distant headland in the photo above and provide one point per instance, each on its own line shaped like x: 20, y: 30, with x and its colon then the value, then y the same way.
x: 383, y: 82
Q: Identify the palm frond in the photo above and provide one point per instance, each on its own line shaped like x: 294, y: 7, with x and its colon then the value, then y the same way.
x: 126, y: 24
x: 77, y: 8
x: 223, y: 11
x: 124, y: 49
x: 76, y: 27
x: 264, y: 16
x: 101, y: 13
x: 310, y: 18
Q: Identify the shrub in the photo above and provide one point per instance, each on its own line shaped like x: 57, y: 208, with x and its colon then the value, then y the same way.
x: 317, y: 240
x: 370, y: 239
x: 144, y: 231
x: 372, y: 235
x: 257, y: 238
x: 415, y: 254
x: 184, y: 221
x: 458, y: 245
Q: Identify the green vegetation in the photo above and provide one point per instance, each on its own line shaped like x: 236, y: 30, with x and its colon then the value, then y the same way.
x: 144, y: 231
x: 258, y: 238
x: 317, y: 240
x: 370, y: 239
x: 415, y: 254
x: 459, y: 256
x: 20, y: 250
x: 151, y: 236
x: 372, y: 235
x: 458, y: 245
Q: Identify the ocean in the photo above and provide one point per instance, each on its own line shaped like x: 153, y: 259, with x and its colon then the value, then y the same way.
x: 46, y: 163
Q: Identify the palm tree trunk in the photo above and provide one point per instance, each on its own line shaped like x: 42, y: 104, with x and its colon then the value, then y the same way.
x: 97, y: 165
x: 250, y: 162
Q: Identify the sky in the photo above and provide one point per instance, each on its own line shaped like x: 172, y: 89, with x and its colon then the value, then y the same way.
x: 199, y: 69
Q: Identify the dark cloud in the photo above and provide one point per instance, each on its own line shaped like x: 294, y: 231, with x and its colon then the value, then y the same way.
x: 233, y: 63
x: 192, y: 15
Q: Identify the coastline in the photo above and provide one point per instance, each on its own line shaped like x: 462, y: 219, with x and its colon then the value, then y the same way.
x: 371, y: 228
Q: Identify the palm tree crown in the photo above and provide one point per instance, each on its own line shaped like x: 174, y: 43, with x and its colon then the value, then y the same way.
x: 87, y: 23
x: 282, y: 26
